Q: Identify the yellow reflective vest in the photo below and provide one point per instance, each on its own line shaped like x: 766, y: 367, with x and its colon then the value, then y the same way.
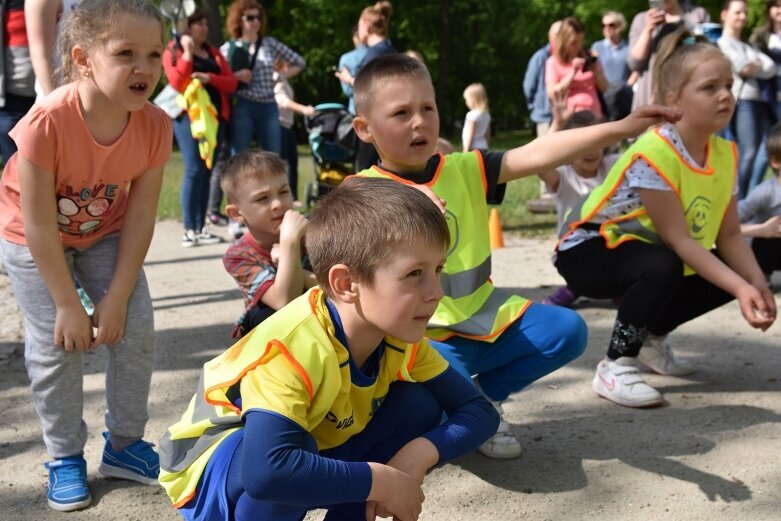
x: 705, y: 193
x: 291, y: 365
x: 472, y: 307
x: 204, y: 123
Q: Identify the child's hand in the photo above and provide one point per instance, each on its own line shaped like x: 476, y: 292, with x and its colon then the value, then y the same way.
x: 758, y: 306
x: 72, y: 328
x: 558, y: 105
x: 770, y: 229
x: 441, y: 203
x: 293, y: 227
x: 647, y: 116
x: 109, y: 318
x: 393, y: 493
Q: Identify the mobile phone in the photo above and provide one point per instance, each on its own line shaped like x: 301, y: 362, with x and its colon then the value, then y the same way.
x: 656, y: 4
x: 590, y: 61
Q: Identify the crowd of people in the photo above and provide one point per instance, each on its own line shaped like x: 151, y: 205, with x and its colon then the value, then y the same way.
x: 373, y: 305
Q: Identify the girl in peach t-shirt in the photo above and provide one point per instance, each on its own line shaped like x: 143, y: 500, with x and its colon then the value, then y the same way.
x: 78, y: 201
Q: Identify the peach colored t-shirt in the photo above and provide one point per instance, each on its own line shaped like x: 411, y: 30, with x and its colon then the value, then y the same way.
x: 582, y: 93
x: 91, y: 180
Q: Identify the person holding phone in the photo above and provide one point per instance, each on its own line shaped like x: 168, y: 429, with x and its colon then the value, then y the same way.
x: 647, y: 30
x: 572, y: 71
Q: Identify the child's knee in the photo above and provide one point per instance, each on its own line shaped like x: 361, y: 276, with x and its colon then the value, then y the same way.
x: 573, y: 335
x: 413, y: 397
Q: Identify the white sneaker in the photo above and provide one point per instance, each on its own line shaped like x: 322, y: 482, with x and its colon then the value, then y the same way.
x: 503, y: 444
x: 620, y: 381
x: 189, y: 239
x: 204, y: 237
x: 659, y: 357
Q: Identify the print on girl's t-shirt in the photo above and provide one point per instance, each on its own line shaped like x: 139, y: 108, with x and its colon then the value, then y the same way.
x: 80, y: 212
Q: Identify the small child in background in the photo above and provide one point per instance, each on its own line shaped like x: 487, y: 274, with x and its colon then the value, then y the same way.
x: 267, y: 261
x: 477, y: 125
x: 760, y: 211
x: 570, y: 183
x: 284, y: 96
x: 336, y: 401
x: 78, y: 201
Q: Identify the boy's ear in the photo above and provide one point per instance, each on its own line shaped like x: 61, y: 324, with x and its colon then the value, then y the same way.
x: 775, y: 164
x: 232, y: 211
x: 361, y: 127
x: 342, y: 283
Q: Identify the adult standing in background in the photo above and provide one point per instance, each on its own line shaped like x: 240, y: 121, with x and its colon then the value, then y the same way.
x: 767, y: 39
x: 17, y: 93
x: 534, y: 84
x: 42, y: 18
x: 752, y: 117
x: 570, y: 71
x: 645, y: 33
x: 256, y: 114
x: 612, y: 53
x: 189, y: 57
x: 350, y: 61
x: 373, y: 28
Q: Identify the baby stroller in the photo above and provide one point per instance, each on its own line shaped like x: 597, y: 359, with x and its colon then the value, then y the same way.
x: 332, y: 140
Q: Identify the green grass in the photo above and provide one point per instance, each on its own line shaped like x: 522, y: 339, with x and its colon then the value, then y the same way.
x: 515, y: 217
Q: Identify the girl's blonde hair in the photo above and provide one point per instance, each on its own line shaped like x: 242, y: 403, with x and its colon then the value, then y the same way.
x: 570, y: 28
x: 679, y: 53
x: 94, y: 23
x: 476, y: 94
x: 237, y: 10
x: 378, y: 16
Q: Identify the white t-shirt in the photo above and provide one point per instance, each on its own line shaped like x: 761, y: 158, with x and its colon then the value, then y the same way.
x: 482, y: 121
x: 283, y: 95
x: 572, y: 187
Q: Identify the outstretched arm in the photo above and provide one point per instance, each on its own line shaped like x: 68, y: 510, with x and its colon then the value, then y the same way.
x: 40, y: 17
x: 552, y: 150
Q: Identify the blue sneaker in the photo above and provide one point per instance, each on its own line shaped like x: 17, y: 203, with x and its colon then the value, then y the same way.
x: 136, y: 462
x: 68, y: 484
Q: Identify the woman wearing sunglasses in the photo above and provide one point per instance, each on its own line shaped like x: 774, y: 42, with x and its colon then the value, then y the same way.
x: 252, y: 55
x: 612, y: 54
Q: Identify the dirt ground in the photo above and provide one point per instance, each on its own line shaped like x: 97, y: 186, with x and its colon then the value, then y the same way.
x: 711, y: 453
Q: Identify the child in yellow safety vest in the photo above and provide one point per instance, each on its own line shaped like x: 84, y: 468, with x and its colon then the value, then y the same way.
x: 335, y: 401
x: 502, y: 339
x: 647, y: 233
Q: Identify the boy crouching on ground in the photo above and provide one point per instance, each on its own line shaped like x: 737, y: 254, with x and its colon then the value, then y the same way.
x: 267, y: 262
x: 336, y: 401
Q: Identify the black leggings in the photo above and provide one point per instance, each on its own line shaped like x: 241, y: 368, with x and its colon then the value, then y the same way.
x: 768, y: 253
x: 655, y: 296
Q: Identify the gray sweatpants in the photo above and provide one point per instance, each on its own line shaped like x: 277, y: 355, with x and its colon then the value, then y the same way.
x: 56, y: 375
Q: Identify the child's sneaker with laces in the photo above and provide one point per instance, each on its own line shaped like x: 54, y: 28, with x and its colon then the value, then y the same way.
x: 204, y: 237
x: 619, y: 381
x: 657, y: 354
x: 68, y: 484
x: 503, y: 444
x: 136, y: 462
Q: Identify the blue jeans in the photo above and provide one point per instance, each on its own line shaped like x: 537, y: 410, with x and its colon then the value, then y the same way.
x: 752, y: 122
x: 15, y: 107
x: 252, y: 119
x: 527, y: 350
x: 194, y: 193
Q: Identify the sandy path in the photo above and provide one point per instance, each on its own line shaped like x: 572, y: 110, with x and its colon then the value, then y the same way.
x: 712, y: 453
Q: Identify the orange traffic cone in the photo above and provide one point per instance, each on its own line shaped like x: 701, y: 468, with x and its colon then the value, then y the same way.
x: 495, y: 230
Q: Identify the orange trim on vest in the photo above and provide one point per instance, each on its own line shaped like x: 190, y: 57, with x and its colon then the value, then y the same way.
x: 708, y: 169
x: 298, y: 367
x: 486, y: 337
x: 188, y: 497
x: 246, y: 370
x: 482, y: 171
x: 658, y: 172
x: 395, y: 177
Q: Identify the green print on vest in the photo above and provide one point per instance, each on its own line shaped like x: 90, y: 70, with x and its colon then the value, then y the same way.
x: 698, y: 215
x: 452, y: 227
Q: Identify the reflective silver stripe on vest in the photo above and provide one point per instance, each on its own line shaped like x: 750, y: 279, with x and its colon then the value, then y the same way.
x: 634, y: 227
x: 481, y: 323
x: 464, y: 283
x: 177, y: 455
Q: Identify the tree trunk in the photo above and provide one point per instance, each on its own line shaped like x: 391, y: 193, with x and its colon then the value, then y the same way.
x: 444, y: 56
x: 212, y: 10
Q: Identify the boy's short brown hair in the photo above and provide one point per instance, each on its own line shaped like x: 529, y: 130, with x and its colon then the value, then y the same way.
x: 774, y: 146
x: 361, y: 222
x: 248, y: 165
x: 383, y: 69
